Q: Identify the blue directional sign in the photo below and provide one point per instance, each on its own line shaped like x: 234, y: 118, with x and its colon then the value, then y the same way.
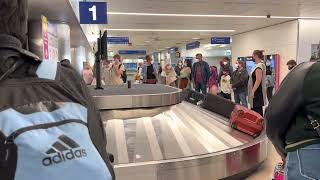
x: 172, y: 50
x: 193, y: 45
x: 118, y: 40
x: 220, y: 40
x: 132, y: 52
x: 93, y: 12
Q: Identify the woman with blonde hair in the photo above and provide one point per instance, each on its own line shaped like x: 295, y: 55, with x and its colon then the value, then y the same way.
x: 257, y: 88
x: 171, y: 75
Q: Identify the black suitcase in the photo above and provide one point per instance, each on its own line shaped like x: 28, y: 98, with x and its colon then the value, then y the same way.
x: 193, y: 97
x: 218, y: 105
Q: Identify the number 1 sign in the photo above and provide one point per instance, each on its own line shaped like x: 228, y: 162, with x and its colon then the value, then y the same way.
x: 93, y: 12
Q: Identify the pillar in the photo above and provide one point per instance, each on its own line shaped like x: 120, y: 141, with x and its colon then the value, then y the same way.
x: 80, y: 58
x: 63, y: 31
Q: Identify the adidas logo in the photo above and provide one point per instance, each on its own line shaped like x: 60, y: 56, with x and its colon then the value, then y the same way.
x: 64, y: 149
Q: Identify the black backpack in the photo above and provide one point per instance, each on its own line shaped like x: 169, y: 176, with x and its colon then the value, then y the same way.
x: 49, y: 127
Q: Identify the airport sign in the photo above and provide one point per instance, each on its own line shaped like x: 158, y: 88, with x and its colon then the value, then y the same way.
x: 132, y: 52
x: 193, y: 45
x: 220, y: 40
x: 118, y: 40
x: 93, y: 12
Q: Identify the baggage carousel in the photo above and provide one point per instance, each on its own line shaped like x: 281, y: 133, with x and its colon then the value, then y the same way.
x: 154, y: 135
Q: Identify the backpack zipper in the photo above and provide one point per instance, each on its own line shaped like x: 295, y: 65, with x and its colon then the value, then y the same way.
x: 10, y: 139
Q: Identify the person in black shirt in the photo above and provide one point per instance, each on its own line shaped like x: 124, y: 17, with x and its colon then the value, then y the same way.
x: 257, y: 84
x: 149, y: 72
x: 239, y: 81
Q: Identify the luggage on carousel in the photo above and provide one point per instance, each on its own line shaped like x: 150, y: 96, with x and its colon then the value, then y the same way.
x: 241, y: 118
x: 218, y: 105
x: 193, y: 97
x: 246, y: 120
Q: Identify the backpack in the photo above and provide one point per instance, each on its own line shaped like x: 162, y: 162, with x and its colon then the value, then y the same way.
x: 45, y: 130
x: 124, y: 76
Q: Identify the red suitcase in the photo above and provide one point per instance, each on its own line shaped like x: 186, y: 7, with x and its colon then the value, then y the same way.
x: 247, y: 121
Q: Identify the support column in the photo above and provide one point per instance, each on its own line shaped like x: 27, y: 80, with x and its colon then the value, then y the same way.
x: 80, y: 58
x: 64, y: 41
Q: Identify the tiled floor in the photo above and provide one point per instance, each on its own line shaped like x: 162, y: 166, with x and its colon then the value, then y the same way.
x: 265, y: 172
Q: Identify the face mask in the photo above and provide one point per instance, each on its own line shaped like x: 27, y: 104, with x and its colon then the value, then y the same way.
x: 180, y: 64
x: 185, y: 64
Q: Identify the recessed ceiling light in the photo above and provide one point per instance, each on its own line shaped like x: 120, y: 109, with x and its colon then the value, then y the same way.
x: 208, y: 15
x: 196, y: 38
x: 146, y: 41
x: 181, y: 15
x: 172, y: 30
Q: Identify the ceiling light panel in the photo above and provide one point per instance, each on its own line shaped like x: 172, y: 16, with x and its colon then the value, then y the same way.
x: 208, y: 15
x: 171, y: 30
x: 183, y: 15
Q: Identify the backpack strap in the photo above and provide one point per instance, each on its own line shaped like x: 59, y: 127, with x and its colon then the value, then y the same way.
x: 14, y: 67
x: 315, y: 124
x: 48, y: 70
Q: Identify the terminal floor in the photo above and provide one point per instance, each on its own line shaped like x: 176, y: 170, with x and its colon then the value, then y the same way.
x: 265, y: 172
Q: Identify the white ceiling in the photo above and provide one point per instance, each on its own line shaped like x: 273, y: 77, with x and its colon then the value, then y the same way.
x: 161, y: 40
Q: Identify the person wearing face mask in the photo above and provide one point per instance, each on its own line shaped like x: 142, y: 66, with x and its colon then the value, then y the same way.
x: 291, y: 64
x: 185, y: 76
x: 117, y: 70
x: 239, y: 81
x: 225, y: 65
x: 200, y: 74
x: 225, y: 85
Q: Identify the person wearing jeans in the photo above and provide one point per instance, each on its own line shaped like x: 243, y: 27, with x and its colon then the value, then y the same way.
x: 239, y: 81
x: 293, y: 118
x: 200, y: 74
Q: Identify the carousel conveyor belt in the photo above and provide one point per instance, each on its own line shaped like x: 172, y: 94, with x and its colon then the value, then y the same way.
x: 155, y: 136
x: 182, y: 131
